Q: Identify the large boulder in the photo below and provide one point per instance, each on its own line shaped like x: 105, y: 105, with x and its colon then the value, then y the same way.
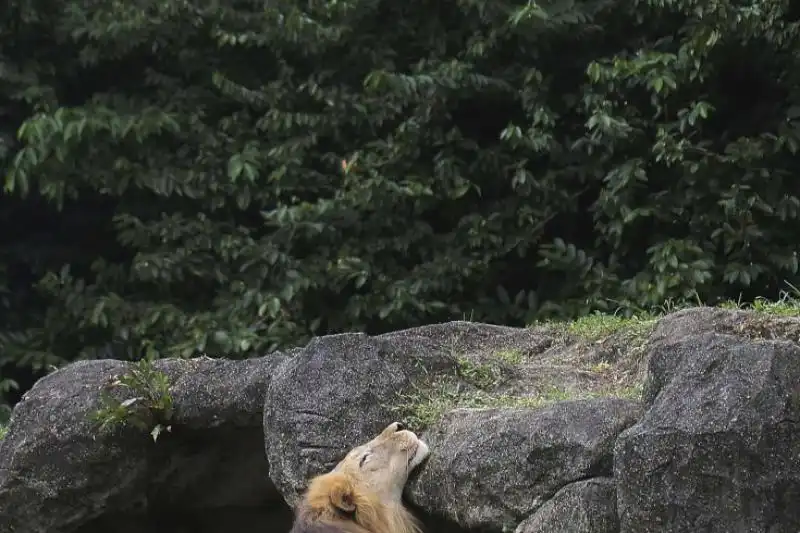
x: 335, y: 393
x: 56, y: 473
x: 59, y: 472
x: 718, y: 450
x: 588, y: 506
x: 492, y: 468
x: 339, y: 390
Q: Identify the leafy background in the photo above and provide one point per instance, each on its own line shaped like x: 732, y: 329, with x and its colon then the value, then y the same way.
x: 174, y: 179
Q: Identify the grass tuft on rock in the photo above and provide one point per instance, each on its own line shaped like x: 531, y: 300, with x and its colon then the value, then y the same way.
x: 478, y: 383
x: 786, y: 306
x: 606, y: 351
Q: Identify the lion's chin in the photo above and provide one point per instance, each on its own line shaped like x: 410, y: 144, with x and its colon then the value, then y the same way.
x: 421, y: 452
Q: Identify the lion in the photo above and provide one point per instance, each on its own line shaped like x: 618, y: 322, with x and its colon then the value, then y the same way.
x: 363, y: 493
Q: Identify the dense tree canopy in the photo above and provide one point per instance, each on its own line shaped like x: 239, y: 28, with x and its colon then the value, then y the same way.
x: 230, y: 178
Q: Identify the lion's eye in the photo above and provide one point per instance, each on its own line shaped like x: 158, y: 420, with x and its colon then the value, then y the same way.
x: 363, y: 460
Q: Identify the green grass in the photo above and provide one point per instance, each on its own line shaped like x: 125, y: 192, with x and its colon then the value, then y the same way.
x: 601, y: 325
x: 787, y: 306
x: 3, y: 431
x: 598, y: 325
x: 484, y: 376
x: 509, y: 356
x: 476, y: 384
x: 424, y: 408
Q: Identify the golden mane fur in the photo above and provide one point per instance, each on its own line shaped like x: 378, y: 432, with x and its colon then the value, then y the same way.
x: 363, y: 493
x: 329, y: 496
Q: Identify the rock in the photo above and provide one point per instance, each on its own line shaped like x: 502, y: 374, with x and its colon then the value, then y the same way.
x: 340, y: 390
x: 714, y: 447
x: 221, y: 520
x: 532, y: 361
x: 719, y: 449
x: 495, y: 467
x: 681, y: 325
x: 217, y: 458
x: 55, y: 471
x: 676, y: 327
x: 336, y: 393
x: 468, y: 339
x: 59, y: 472
x: 582, y: 507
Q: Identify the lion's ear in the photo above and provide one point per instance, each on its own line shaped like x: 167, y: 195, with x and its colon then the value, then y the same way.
x: 342, y: 494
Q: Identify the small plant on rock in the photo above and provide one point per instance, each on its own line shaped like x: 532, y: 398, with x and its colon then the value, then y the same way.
x: 149, y: 407
x: 5, y: 419
x: 480, y: 375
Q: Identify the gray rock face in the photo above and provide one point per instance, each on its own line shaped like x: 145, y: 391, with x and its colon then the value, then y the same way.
x: 493, y: 468
x: 215, y: 457
x: 337, y: 392
x: 719, y: 449
x: 58, y: 472
x: 55, y: 473
x: 583, y: 507
x: 467, y: 339
x: 340, y: 390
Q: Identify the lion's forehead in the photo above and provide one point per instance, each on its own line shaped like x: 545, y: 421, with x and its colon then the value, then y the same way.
x: 358, y: 450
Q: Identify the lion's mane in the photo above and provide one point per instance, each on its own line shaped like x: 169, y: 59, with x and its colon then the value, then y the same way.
x: 338, y: 503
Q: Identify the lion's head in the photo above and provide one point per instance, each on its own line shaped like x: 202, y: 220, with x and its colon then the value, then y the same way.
x: 363, y: 493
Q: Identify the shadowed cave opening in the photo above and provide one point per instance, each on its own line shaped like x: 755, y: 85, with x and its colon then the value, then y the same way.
x: 214, y: 482
x: 274, y: 518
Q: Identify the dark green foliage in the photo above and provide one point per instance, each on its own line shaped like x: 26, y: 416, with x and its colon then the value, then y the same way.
x: 178, y: 188
x: 147, y: 403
